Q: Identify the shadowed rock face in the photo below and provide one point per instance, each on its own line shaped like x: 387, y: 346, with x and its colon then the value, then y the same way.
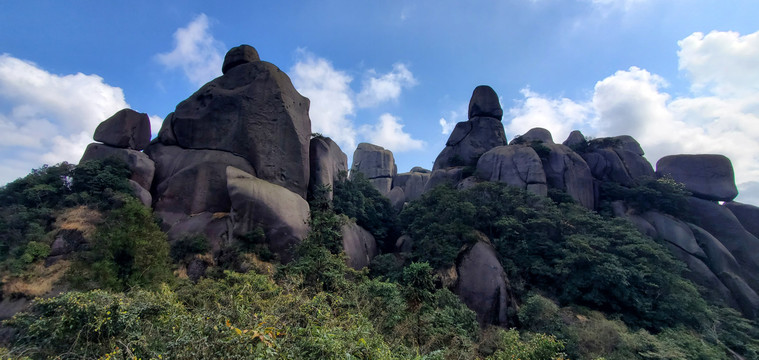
x: 537, y: 134
x: 327, y: 161
x: 359, y: 244
x: 141, y: 166
x: 618, y: 159
x: 515, y: 165
x: 747, y: 214
x: 484, y: 103
x: 242, y: 54
x: 566, y: 170
x: 125, y: 129
x: 252, y: 111
x: 707, y: 176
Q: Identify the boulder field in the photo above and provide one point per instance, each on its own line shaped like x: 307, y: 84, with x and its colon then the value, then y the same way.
x: 238, y: 157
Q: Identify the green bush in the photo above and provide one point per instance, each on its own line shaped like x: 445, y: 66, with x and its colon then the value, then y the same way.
x: 187, y: 246
x: 534, y: 347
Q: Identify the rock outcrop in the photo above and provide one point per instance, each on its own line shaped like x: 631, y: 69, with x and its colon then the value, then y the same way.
x: 359, y: 245
x: 482, y: 284
x: 748, y: 215
x: 408, y: 186
x: 482, y: 132
x: 618, y: 159
x: 327, y: 161
x: 707, y: 176
x: 516, y: 165
x: 125, y: 129
x: 377, y: 164
x: 280, y: 213
x: 140, y: 165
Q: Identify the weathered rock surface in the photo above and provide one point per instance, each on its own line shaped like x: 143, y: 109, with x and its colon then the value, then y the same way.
x: 412, y: 183
x: 575, y: 139
x: 215, y: 227
x: 482, y: 284
x: 191, y: 181
x: 450, y: 176
x: 327, y: 161
x: 252, y: 111
x: 707, y: 176
x: 359, y: 245
x: 565, y: 170
x: 618, y: 159
x: 166, y: 133
x: 484, y: 103
x: 377, y: 164
x: 141, y: 166
x: 282, y: 214
x: 700, y: 274
x: 675, y: 232
x: 469, y: 140
x: 242, y: 54
x: 535, y: 134
x: 516, y: 165
x: 141, y: 193
x: 125, y: 129
x: 747, y: 214
x: 718, y: 221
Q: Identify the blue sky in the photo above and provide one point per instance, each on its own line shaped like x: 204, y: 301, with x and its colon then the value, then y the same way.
x: 680, y: 76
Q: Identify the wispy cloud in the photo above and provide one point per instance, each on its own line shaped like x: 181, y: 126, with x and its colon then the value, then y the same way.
x: 334, y: 103
x: 196, y: 52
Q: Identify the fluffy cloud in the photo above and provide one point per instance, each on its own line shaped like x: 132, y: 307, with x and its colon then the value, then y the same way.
x: 388, y: 133
x: 720, y: 116
x: 196, y: 52
x: 559, y: 116
x: 380, y: 88
x: 48, y: 118
x: 334, y: 103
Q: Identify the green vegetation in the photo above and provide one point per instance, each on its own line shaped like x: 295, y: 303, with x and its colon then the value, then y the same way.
x: 664, y: 195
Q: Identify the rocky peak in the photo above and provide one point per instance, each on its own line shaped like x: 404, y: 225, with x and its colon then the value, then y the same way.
x: 242, y: 54
x: 484, y: 103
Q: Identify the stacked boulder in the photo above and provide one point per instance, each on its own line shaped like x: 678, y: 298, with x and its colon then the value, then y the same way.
x: 470, y: 139
x: 408, y: 186
x: 327, y: 163
x: 123, y: 136
x: 376, y: 164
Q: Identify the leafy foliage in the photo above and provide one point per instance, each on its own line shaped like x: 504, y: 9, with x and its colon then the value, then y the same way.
x: 664, y: 195
x: 357, y: 198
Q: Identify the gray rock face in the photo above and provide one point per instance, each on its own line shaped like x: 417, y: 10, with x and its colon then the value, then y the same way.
x: 412, y: 183
x: 377, y: 164
x: 536, y: 134
x: 359, y: 245
x: 191, y: 181
x: 215, y: 227
x: 327, y: 161
x: 575, y: 138
x: 141, y: 193
x: 482, y: 284
x: 166, y: 133
x: 618, y: 159
x: 142, y: 168
x: 282, y: 214
x: 242, y: 54
x: 450, y: 176
x: 469, y: 140
x: 707, y: 176
x: 700, y: 274
x: 516, y: 165
x: 125, y: 129
x: 252, y: 111
x: 718, y: 221
x: 565, y: 170
x: 675, y: 232
x: 747, y: 214
x: 484, y: 103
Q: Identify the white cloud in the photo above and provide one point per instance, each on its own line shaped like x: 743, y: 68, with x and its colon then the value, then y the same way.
x: 380, y: 88
x: 195, y: 51
x: 617, y: 4
x: 155, y: 124
x: 559, y: 116
x: 48, y: 118
x: 388, y: 133
x: 447, y: 125
x: 721, y: 63
x: 332, y: 104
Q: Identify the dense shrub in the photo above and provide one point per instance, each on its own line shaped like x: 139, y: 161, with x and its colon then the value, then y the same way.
x: 664, y: 195
x: 358, y: 199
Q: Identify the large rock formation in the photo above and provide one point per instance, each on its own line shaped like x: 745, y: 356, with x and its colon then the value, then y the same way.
x: 327, y: 161
x: 140, y: 165
x: 125, y: 129
x: 470, y: 139
x: 280, y: 213
x: 252, y: 111
x: 359, y: 245
x: 408, y: 186
x: 515, y: 165
x: 747, y: 214
x: 707, y: 176
x: 482, y: 284
x: 618, y: 159
x: 377, y: 164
